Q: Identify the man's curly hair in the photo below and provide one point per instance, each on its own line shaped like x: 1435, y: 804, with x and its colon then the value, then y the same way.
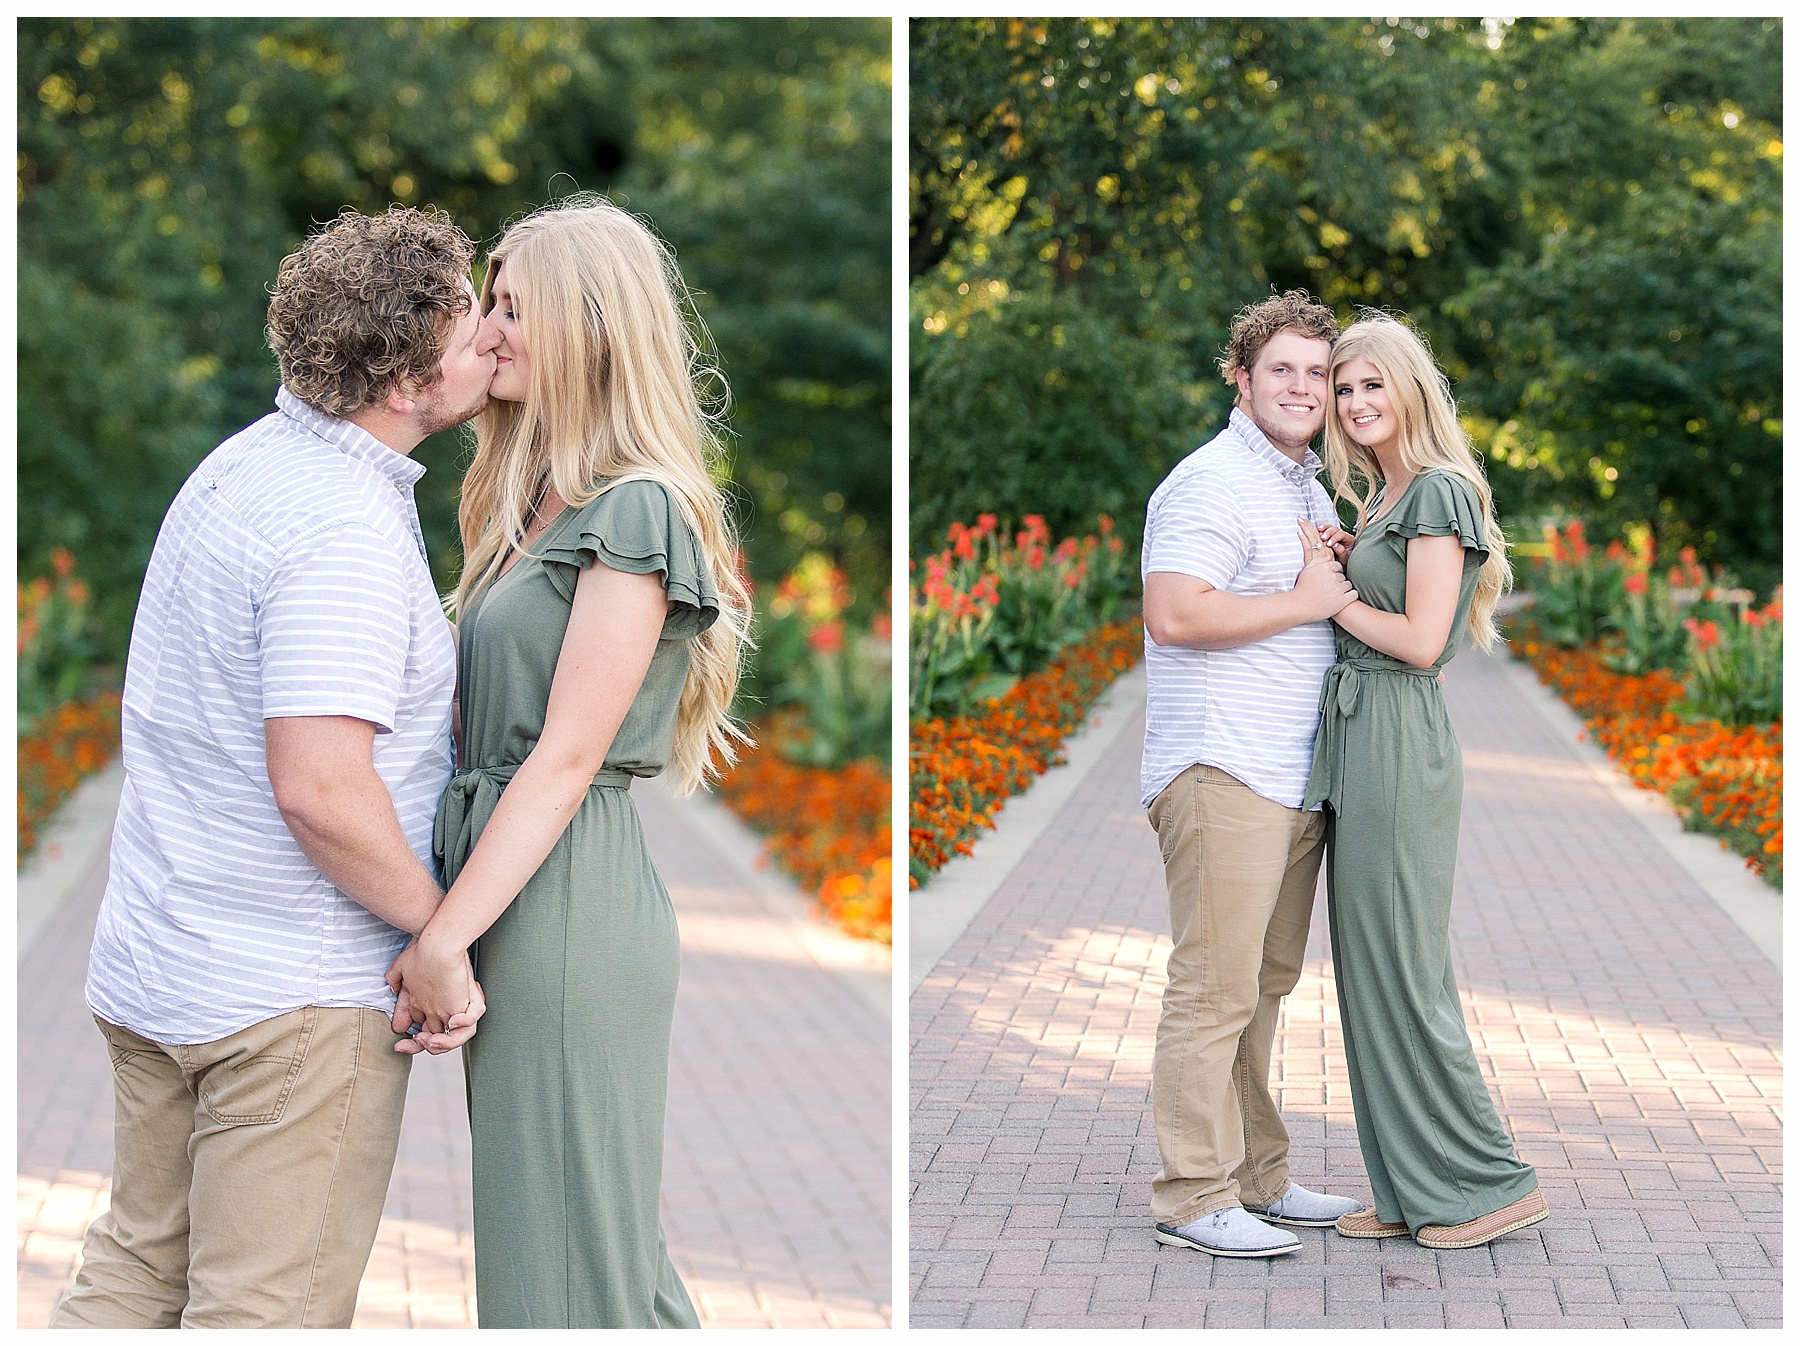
x: 1251, y: 329
x: 368, y: 302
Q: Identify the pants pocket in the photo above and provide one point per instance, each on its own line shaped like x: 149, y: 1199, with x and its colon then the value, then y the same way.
x: 123, y: 1054
x: 251, y: 1085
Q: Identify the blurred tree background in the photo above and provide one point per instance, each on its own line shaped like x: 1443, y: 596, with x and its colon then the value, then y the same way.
x: 1583, y: 216
x: 166, y: 166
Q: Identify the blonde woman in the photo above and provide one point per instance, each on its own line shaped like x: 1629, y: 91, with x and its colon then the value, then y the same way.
x: 601, y: 624
x: 1428, y: 563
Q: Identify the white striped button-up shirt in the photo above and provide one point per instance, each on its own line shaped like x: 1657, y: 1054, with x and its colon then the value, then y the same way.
x: 1226, y: 515
x: 289, y: 579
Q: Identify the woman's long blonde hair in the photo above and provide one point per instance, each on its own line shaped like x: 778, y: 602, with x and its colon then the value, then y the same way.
x: 1430, y: 437
x: 617, y: 368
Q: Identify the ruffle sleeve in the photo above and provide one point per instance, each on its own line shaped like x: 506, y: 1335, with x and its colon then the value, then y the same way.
x: 637, y: 527
x: 1438, y: 504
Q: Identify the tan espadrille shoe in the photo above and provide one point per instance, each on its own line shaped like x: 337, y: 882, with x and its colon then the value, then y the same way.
x: 1527, y: 1210
x: 1366, y: 1224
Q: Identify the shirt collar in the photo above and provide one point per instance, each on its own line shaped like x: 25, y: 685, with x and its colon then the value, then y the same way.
x: 1264, y: 451
x: 355, y: 441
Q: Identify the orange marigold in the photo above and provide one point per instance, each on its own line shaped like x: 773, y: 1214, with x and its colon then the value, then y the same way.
x: 964, y: 769
x: 1723, y: 779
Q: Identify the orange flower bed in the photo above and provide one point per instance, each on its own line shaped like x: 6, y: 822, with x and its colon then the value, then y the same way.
x: 1723, y: 779
x: 964, y: 769
x: 75, y: 740
x: 830, y: 828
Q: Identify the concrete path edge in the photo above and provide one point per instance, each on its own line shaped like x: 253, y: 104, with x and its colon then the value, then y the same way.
x: 942, y: 909
x: 1750, y: 902
x: 70, y: 845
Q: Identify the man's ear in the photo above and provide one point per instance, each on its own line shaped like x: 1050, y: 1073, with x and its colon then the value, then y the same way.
x: 401, y: 398
x: 1243, y: 382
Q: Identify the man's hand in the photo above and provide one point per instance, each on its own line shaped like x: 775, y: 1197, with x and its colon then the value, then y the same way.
x: 1321, y: 590
x: 437, y: 983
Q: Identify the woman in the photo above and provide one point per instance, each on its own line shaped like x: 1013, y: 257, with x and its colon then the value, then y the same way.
x: 1428, y: 562
x: 601, y: 625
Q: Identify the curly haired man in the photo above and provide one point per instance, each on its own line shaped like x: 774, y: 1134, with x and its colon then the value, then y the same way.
x: 1236, y: 649
x: 286, y: 730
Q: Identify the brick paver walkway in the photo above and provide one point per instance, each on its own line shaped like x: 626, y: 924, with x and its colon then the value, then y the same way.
x: 776, y: 1181
x: 1630, y: 1031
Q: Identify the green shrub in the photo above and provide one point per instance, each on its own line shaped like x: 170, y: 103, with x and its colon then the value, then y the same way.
x: 994, y: 606
x: 1044, y: 407
x: 1734, y: 667
x: 56, y: 639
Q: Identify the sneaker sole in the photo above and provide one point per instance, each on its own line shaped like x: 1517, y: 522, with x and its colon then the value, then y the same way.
x: 1174, y: 1240
x: 1292, y: 1220
x: 1510, y: 1227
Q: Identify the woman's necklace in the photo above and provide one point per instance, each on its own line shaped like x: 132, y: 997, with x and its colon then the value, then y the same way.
x: 537, y: 523
x: 1390, y: 496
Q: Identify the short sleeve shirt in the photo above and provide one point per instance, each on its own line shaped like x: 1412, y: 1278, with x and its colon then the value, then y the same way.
x: 289, y: 578
x: 1227, y: 515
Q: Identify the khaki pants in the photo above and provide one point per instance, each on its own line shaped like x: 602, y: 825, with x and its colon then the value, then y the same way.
x: 1241, y: 872
x: 248, y: 1175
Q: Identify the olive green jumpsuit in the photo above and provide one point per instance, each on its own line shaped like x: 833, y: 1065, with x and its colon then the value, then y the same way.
x: 1388, y: 768
x: 568, y: 1074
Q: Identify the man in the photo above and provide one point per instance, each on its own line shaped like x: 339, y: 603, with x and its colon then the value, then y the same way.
x: 1236, y: 648
x: 286, y: 732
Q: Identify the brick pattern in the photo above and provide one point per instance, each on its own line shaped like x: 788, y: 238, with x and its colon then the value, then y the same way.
x: 777, y: 1178
x: 1629, y: 1031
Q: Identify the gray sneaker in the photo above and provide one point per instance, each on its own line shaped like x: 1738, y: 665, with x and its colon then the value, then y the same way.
x: 1298, y: 1206
x: 1229, y: 1232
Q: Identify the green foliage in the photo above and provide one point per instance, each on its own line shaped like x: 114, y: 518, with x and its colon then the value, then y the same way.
x: 1650, y: 628
x: 821, y: 685
x: 1042, y: 406
x: 993, y: 606
x: 114, y: 410
x: 834, y: 691
x: 56, y: 640
x: 166, y: 165
x: 1734, y: 668
x: 1577, y: 592
x: 1582, y: 215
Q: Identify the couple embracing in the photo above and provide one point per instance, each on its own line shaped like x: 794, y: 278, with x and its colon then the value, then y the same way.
x: 351, y: 831
x: 1296, y: 716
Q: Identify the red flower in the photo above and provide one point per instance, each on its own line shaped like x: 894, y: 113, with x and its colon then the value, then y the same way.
x: 1705, y: 634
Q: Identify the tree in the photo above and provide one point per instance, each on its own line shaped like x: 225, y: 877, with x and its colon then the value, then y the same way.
x: 167, y: 165
x: 1537, y: 197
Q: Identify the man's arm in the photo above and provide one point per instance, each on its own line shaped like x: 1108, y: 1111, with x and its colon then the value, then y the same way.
x: 1185, y: 610
x: 322, y: 768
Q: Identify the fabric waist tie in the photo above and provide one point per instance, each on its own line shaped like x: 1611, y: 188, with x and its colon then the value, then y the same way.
x: 1337, y: 702
x: 469, y: 801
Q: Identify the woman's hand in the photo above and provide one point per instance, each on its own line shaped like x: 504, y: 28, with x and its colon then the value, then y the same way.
x: 433, y: 983
x: 1330, y: 538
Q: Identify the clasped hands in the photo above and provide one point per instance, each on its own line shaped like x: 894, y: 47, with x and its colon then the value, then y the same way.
x: 436, y: 987
x: 1321, y: 583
